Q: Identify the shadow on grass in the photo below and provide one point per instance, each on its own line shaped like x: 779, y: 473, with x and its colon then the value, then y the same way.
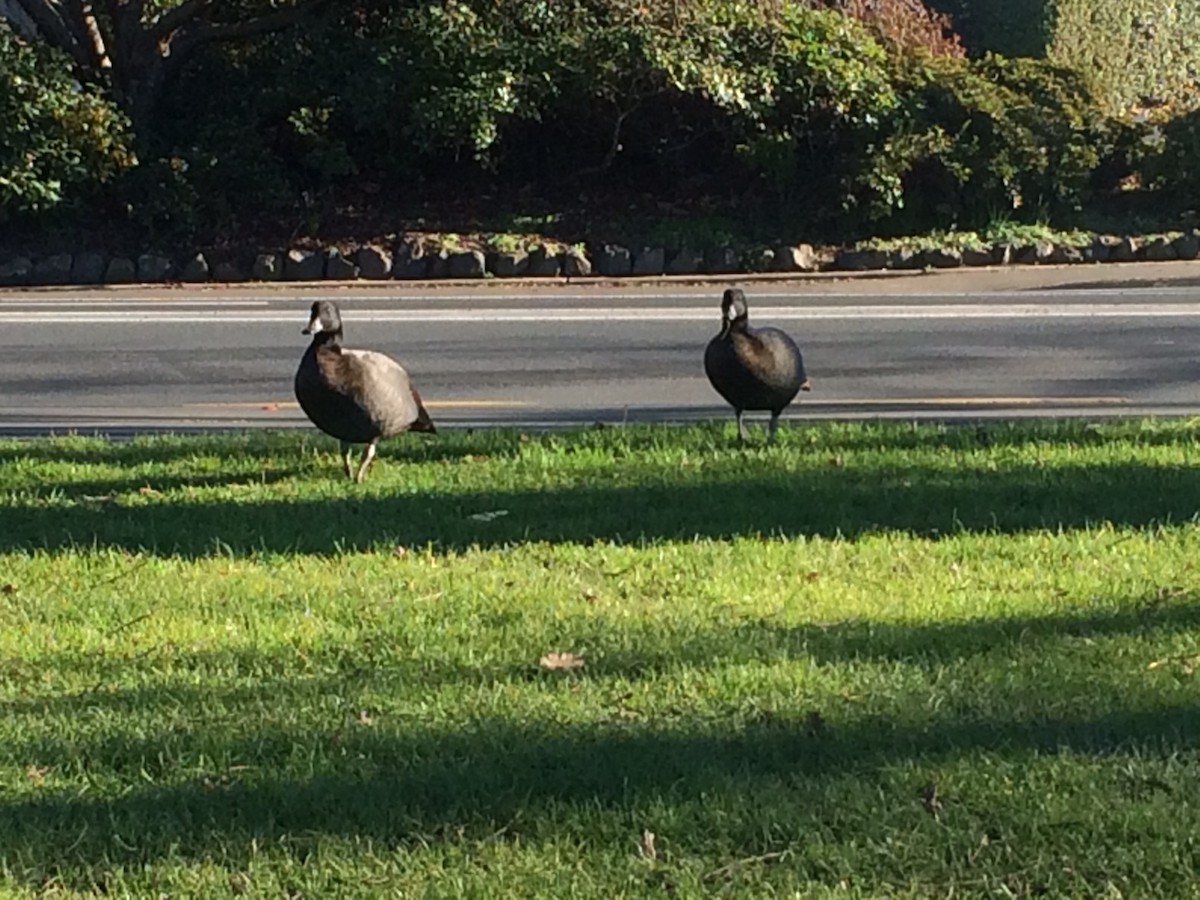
x: 438, y: 785
x: 238, y: 451
x: 829, y: 501
x: 647, y: 650
x: 414, y: 782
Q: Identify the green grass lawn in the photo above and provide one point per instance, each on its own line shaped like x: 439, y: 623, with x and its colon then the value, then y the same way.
x: 876, y: 660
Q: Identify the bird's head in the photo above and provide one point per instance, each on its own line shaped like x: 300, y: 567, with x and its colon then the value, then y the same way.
x: 324, y: 318
x: 734, y: 310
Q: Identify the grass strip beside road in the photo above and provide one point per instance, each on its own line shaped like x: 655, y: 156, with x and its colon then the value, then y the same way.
x: 876, y: 660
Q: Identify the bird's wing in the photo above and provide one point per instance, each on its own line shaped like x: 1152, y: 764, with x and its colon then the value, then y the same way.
x: 385, y: 390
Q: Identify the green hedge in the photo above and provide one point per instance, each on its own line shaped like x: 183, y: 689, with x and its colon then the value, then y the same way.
x: 1133, y: 50
x: 1139, y: 52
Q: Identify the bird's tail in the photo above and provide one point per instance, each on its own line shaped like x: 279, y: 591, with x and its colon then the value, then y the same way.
x: 423, y: 423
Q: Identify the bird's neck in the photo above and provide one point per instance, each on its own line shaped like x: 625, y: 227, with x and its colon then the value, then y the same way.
x: 735, y: 326
x: 327, y: 339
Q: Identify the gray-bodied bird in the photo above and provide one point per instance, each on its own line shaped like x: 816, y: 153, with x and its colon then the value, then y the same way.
x: 753, y: 368
x: 356, y: 396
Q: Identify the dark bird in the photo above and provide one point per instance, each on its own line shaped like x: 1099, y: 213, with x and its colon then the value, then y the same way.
x: 753, y: 368
x: 356, y: 396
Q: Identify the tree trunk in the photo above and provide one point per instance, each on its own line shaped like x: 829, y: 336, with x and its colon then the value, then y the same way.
x: 24, y: 26
x: 130, y: 58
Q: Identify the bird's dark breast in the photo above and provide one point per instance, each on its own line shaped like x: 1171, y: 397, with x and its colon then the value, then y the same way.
x: 325, y: 389
x: 755, y: 370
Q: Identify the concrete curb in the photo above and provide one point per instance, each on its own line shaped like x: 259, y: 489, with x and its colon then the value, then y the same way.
x: 1007, y: 278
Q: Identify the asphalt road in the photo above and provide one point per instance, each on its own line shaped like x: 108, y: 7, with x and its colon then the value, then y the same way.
x: 196, y: 359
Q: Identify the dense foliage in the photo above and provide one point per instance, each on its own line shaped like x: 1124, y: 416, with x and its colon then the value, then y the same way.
x: 56, y: 138
x: 1142, y: 54
x: 832, y: 116
x: 989, y: 137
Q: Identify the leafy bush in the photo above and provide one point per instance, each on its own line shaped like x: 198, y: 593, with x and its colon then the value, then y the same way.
x: 1174, y: 170
x: 58, y: 138
x: 1141, y: 54
x: 978, y: 139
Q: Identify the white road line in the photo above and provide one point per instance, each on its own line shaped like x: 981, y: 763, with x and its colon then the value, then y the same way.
x: 639, y: 314
x: 132, y: 301
x: 302, y: 300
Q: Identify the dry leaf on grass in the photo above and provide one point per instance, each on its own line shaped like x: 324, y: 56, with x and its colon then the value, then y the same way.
x: 8, y: 589
x: 399, y: 551
x: 488, y: 516
x: 148, y: 491
x: 561, y: 661
x: 36, y: 774
x: 646, y: 846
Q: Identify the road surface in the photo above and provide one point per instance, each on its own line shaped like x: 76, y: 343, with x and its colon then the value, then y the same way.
x: 196, y: 359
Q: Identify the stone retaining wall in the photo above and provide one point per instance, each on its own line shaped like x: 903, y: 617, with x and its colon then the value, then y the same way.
x: 412, y: 260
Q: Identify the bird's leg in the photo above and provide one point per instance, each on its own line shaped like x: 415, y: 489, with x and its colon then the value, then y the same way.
x: 743, y: 436
x: 368, y: 454
x: 771, y: 428
x: 347, y: 449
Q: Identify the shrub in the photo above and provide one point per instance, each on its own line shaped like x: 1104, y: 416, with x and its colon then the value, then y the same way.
x: 58, y: 137
x: 1174, y: 170
x: 1141, y: 54
x: 978, y: 139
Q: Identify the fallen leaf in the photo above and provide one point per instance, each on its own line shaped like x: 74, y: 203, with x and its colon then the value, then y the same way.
x: 36, y: 774
x: 810, y: 577
x: 8, y: 589
x: 590, y: 595
x: 146, y: 490
x: 488, y: 516
x: 646, y: 846
x: 239, y: 883
x: 399, y: 551
x: 561, y: 661
x: 270, y: 407
x: 364, y: 718
x: 523, y: 438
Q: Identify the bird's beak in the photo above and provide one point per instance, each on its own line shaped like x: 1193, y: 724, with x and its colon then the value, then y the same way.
x: 314, y: 327
x: 805, y: 385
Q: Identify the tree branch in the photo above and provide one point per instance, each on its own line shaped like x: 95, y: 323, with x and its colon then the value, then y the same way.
x: 176, y: 18
x: 95, y: 38
x: 206, y: 33
x: 72, y: 15
x: 19, y: 20
x: 125, y: 27
x: 47, y: 15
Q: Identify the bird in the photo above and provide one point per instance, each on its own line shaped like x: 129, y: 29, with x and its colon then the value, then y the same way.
x: 753, y: 368
x: 356, y: 396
